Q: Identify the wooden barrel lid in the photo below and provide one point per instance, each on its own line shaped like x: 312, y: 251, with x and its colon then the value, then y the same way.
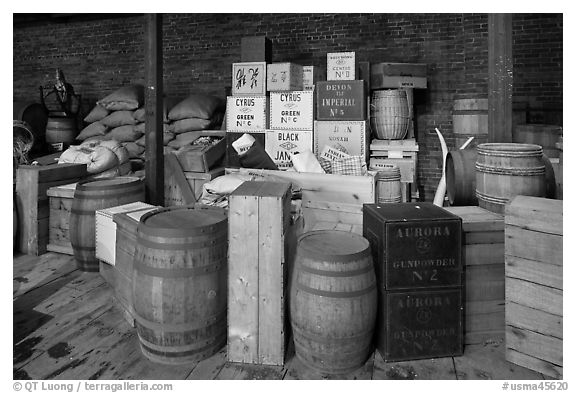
x: 333, y: 246
x: 109, y: 183
x: 183, y: 221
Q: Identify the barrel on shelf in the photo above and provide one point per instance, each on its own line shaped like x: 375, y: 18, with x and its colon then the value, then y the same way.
x: 545, y: 135
x: 179, y: 284
x: 461, y: 177
x: 504, y: 170
x: 388, y: 186
x: 92, y: 195
x: 333, y: 301
x: 389, y: 114
x: 61, y: 130
x: 470, y: 118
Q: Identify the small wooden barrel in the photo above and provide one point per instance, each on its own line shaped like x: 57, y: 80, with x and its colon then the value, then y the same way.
x: 539, y: 134
x: 92, y: 195
x: 61, y: 130
x: 333, y: 301
x: 504, y: 170
x: 389, y: 114
x: 470, y: 118
x: 461, y: 177
x: 179, y: 283
x: 388, y: 186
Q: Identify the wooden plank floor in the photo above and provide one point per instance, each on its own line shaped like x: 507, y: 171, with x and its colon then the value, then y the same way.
x: 67, y: 326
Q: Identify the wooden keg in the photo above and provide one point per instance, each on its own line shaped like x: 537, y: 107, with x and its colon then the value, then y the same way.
x: 544, y: 135
x: 61, y: 131
x: 92, y: 195
x: 333, y: 301
x: 461, y: 177
x: 470, y: 118
x: 179, y: 284
x: 388, y: 186
x: 504, y: 170
x: 389, y: 114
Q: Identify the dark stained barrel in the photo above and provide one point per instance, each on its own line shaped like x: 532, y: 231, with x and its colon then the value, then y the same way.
x: 461, y: 177
x: 179, y: 283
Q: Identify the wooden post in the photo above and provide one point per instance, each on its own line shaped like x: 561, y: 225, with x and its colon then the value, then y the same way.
x: 154, y: 167
x: 500, y: 79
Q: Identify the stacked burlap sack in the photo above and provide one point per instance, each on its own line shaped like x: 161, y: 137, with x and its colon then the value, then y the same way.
x: 102, y: 158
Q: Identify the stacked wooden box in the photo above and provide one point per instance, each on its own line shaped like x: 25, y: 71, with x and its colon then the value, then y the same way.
x: 416, y: 249
x: 483, y: 243
x: 32, y: 184
x: 260, y: 244
x: 61, y: 198
x: 534, y: 295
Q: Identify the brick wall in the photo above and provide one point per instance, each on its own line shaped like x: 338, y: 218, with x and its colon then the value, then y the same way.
x: 99, y: 56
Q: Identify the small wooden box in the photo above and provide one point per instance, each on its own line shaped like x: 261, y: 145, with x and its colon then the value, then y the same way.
x: 172, y: 193
x: 309, y: 77
x: 483, y: 234
x: 202, y: 158
x: 414, y: 245
x: 348, y: 136
x: 341, y: 100
x: 32, y: 184
x: 258, y: 48
x: 293, y: 110
x: 398, y: 75
x: 259, y: 218
x: 284, y: 77
x: 61, y: 198
x: 534, y: 284
x: 246, y: 113
x: 280, y: 144
x: 420, y: 324
x: 403, y: 153
x: 341, y: 66
x: 249, y: 79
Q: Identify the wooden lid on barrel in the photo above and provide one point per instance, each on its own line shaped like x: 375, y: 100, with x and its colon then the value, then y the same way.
x: 109, y: 183
x: 181, y: 221
x: 333, y: 245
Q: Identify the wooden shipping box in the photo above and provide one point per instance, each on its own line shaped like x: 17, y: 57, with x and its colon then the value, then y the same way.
x: 173, y: 194
x: 350, y: 137
x: 249, y: 78
x: 341, y: 100
x: 202, y: 158
x: 341, y: 66
x: 259, y: 228
x: 61, y: 198
x: 257, y: 48
x: 483, y: 246
x: 328, y: 201
x: 32, y: 184
x: 292, y: 110
x: 247, y: 113
x: 284, y: 77
x: 534, y: 284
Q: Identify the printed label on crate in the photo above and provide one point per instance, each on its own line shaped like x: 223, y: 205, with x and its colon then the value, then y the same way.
x: 331, y: 154
x: 421, y: 324
x: 380, y: 81
x: 249, y: 78
x: 308, y: 80
x: 280, y: 144
x: 292, y: 110
x: 341, y: 100
x: 246, y: 113
x: 346, y: 136
x: 341, y: 66
x: 284, y: 77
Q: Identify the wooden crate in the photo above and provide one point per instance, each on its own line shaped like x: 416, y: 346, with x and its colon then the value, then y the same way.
x: 351, y: 137
x: 173, y: 194
x: 257, y: 48
x: 534, y: 290
x: 284, y: 77
x: 60, y: 198
x: 32, y: 184
x: 201, y: 158
x: 483, y: 252
x: 259, y: 221
x: 328, y: 201
x: 341, y: 100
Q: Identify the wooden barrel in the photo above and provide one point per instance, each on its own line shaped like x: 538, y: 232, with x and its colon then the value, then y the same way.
x: 504, y: 170
x: 470, y: 118
x: 461, y: 177
x: 180, y: 283
x: 61, y: 130
x: 14, y: 220
x: 388, y: 186
x: 389, y: 114
x: 544, y: 135
x: 36, y: 116
x: 92, y: 195
x: 333, y: 301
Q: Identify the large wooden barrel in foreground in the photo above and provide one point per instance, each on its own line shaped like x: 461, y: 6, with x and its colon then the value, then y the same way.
x: 92, y: 195
x: 461, y: 177
x: 504, y: 170
x: 333, y: 301
x: 389, y: 114
x: 179, y: 283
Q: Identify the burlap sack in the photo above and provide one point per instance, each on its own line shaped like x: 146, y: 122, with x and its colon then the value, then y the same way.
x: 97, y: 113
x: 124, y: 134
x: 119, y: 118
x: 192, y: 124
x: 97, y: 159
x: 126, y: 98
x: 134, y: 150
x: 94, y: 129
x: 195, y: 106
